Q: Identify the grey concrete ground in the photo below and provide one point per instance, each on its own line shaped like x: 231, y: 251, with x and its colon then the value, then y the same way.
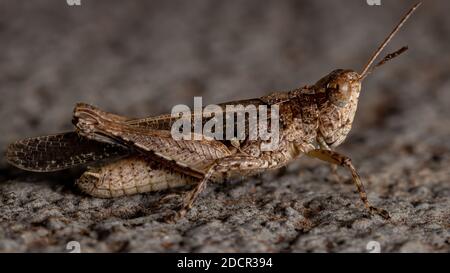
x: 140, y: 58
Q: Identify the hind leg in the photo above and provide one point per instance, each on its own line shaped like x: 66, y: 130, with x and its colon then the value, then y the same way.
x: 129, y: 176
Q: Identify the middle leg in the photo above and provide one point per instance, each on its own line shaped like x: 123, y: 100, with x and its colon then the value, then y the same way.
x: 223, y: 166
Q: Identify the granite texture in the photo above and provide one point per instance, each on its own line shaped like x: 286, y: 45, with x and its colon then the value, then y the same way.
x: 139, y: 58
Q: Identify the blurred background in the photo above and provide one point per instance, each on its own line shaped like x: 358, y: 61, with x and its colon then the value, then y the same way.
x: 140, y: 58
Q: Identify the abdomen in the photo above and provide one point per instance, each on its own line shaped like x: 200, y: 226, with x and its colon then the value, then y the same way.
x: 129, y: 176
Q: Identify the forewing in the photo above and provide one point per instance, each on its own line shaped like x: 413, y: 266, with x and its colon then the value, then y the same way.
x: 195, y: 155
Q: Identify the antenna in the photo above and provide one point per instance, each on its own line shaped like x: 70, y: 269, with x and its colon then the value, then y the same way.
x: 386, y: 59
x: 366, y: 70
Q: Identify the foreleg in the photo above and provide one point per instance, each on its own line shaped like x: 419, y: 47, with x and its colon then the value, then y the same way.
x: 342, y: 160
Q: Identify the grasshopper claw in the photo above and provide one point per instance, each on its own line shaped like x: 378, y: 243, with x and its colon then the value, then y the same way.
x: 172, y: 218
x: 382, y: 212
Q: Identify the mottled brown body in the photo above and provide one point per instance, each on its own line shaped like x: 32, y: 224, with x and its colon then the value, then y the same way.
x: 307, y: 114
x: 313, y: 120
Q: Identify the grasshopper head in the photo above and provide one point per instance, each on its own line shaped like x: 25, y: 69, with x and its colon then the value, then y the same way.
x: 340, y: 86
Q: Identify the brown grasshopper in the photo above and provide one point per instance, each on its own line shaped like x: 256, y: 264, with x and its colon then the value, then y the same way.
x: 313, y: 120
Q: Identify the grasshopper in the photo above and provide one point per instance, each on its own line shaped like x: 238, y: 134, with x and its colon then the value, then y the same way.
x: 142, y: 156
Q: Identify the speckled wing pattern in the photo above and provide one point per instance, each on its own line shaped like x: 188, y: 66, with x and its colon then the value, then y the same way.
x: 193, y: 155
x: 69, y: 149
x: 65, y: 150
x: 59, y: 151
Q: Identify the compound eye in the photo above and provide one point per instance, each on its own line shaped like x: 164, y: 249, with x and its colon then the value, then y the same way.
x: 333, y: 86
x: 339, y: 93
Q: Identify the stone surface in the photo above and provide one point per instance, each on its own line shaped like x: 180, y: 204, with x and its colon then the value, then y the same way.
x: 140, y: 58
